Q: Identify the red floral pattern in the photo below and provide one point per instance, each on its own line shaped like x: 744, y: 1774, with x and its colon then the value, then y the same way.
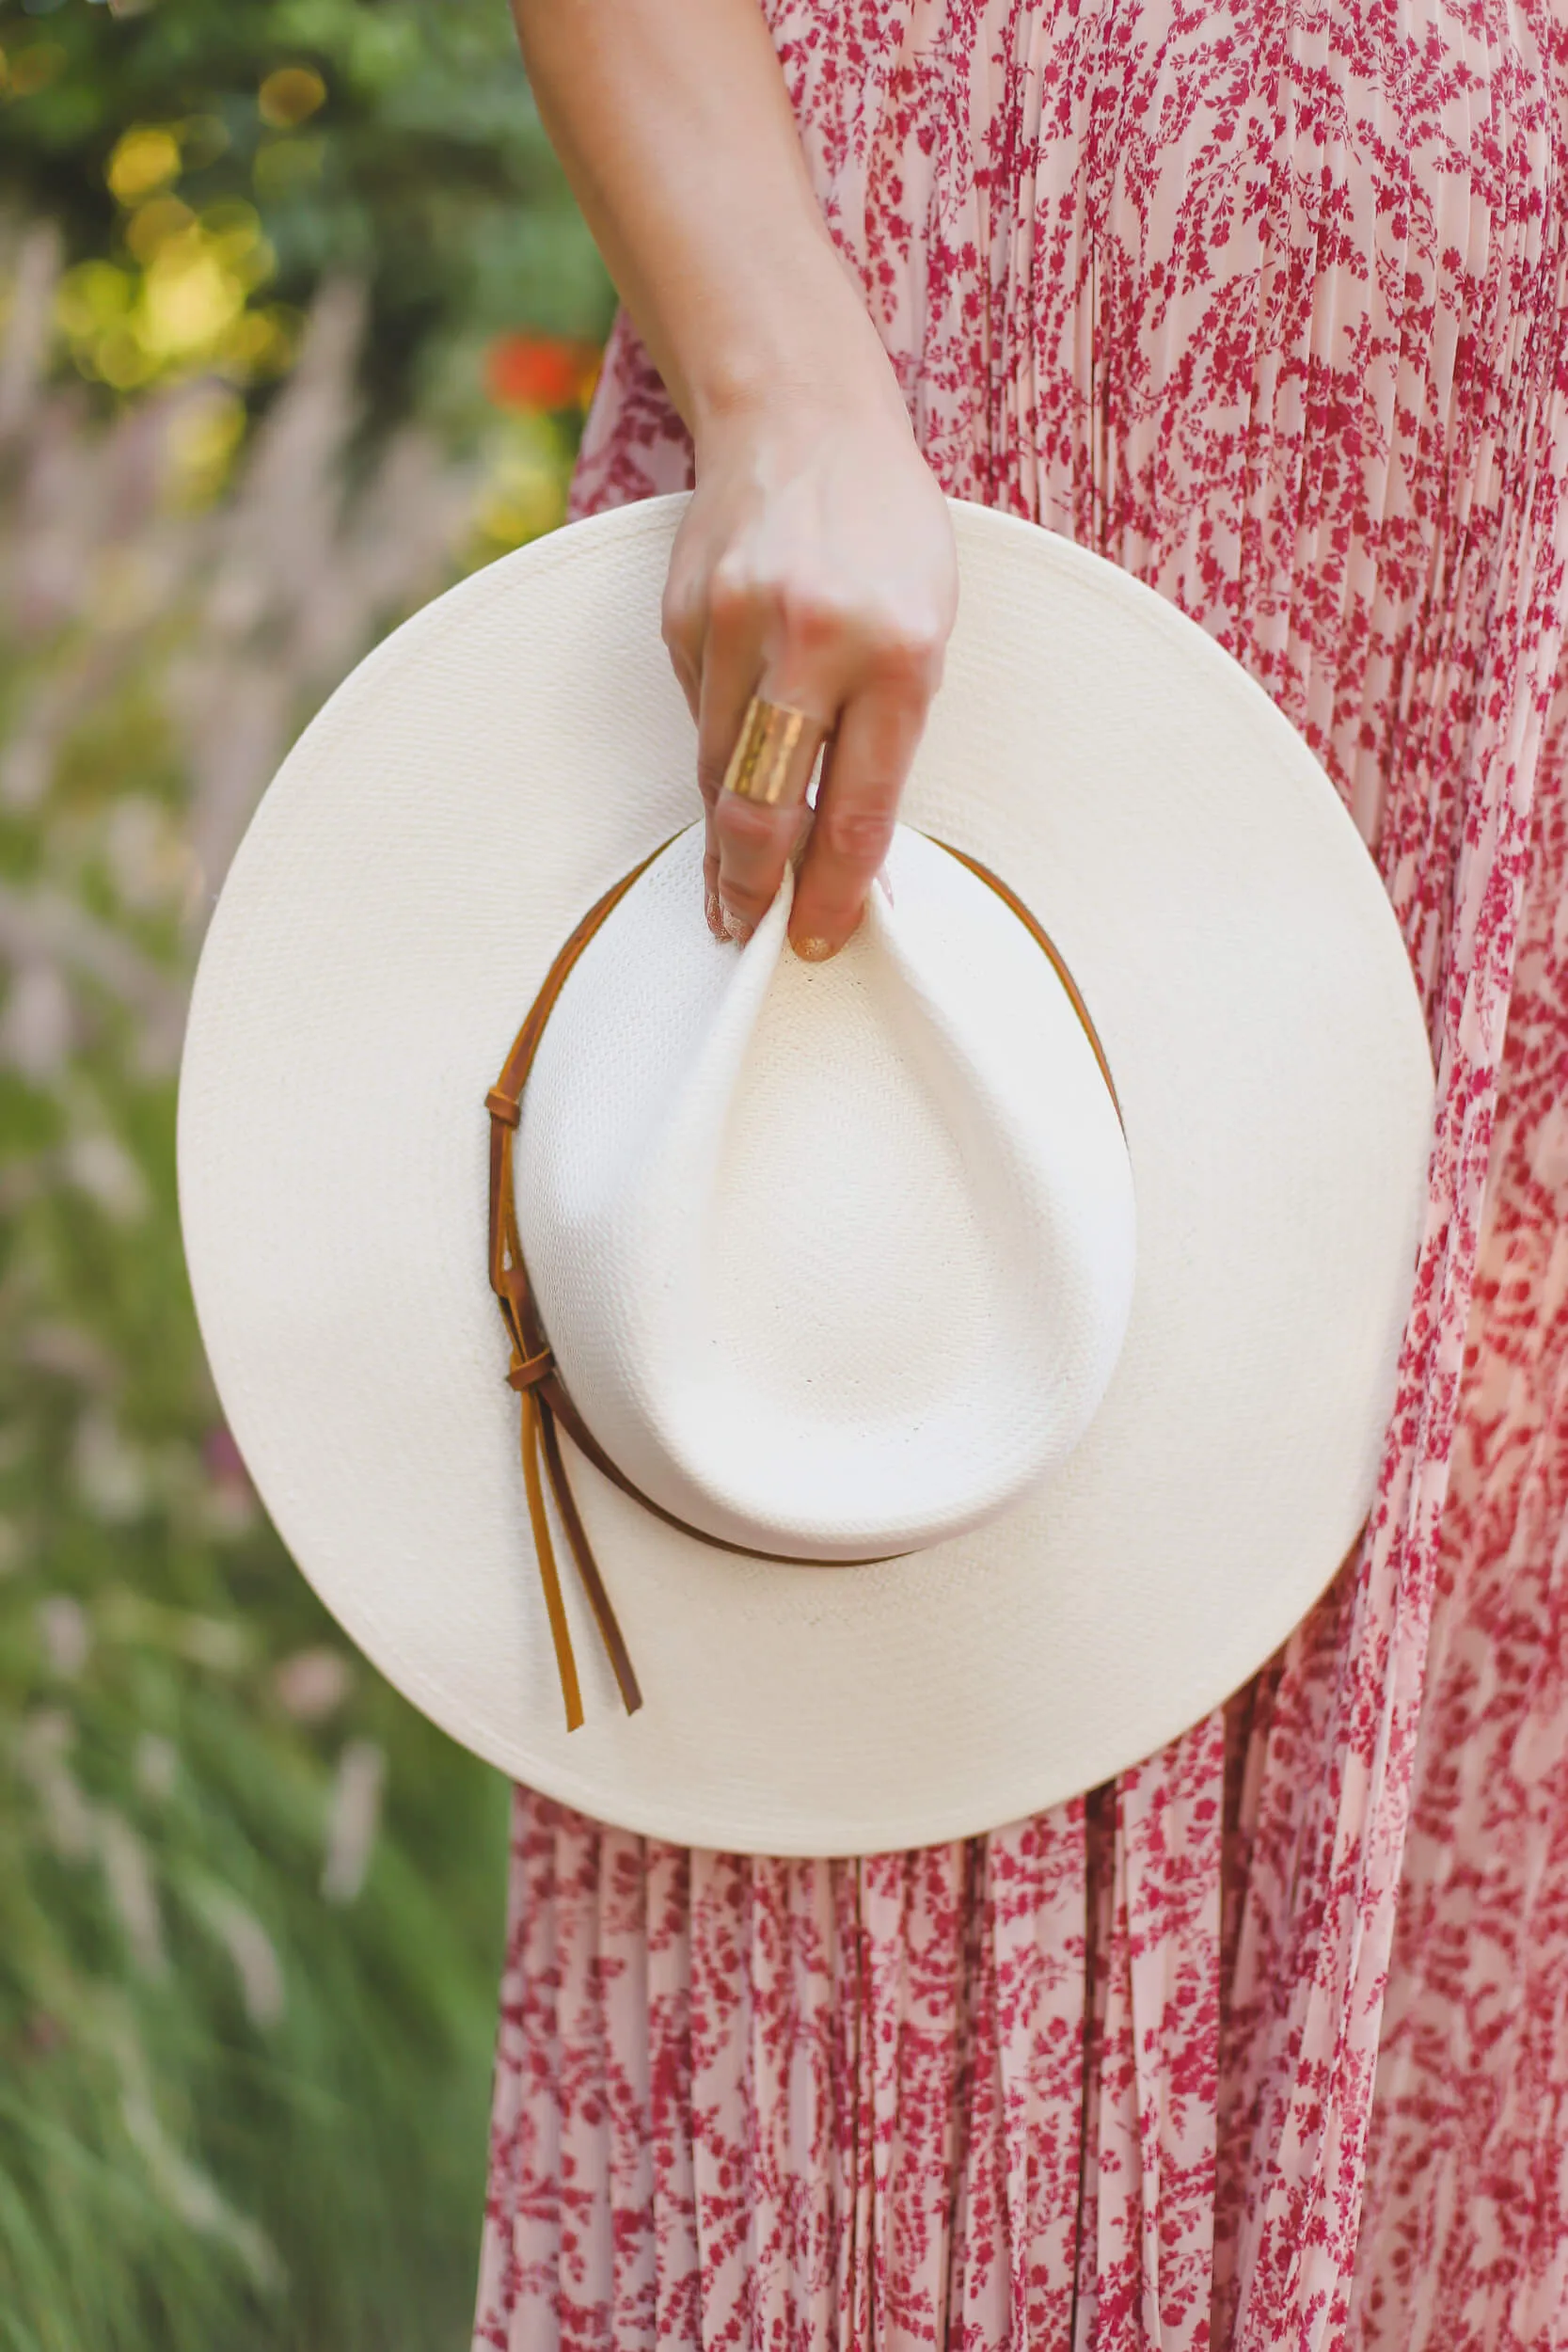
x: 1465, y: 2240
x: 1268, y: 304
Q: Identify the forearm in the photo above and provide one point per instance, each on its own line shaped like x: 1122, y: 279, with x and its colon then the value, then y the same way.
x: 674, y: 127
x: 813, y: 567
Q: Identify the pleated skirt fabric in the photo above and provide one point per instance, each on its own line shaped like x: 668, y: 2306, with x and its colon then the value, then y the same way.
x: 1266, y: 2043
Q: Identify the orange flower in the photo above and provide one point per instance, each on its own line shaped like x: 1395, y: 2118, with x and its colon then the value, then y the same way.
x: 524, y: 371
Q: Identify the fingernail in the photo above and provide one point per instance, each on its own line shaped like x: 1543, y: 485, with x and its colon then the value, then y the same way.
x: 814, y: 950
x: 735, y: 925
x: 715, y: 914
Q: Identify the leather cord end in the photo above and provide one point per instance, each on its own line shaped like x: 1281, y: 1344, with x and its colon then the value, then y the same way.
x: 549, y: 1576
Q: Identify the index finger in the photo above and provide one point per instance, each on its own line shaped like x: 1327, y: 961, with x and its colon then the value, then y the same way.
x: 857, y: 807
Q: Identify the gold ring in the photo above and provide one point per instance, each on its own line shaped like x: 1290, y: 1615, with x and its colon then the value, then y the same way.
x: 776, y: 752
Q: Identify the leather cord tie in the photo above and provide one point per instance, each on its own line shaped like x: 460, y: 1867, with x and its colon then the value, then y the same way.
x: 545, y: 1409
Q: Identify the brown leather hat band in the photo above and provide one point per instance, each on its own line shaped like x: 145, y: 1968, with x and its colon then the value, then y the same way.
x: 546, y: 1407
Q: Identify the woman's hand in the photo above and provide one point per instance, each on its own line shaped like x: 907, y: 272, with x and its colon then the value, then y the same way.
x: 815, y: 568
x: 816, y: 564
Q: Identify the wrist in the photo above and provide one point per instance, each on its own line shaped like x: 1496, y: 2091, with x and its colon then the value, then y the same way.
x: 816, y: 355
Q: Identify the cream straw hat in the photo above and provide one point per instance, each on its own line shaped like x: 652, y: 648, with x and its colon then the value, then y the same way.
x: 946, y: 1371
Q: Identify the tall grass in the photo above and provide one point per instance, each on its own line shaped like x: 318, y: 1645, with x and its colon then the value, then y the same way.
x: 250, y: 1904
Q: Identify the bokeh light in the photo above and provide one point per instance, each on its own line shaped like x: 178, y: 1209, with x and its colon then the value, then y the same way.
x: 145, y: 158
x: 290, y: 97
x: 526, y: 371
x: 182, y: 302
x: 26, y: 71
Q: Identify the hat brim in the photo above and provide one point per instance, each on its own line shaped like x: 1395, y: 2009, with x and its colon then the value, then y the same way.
x: 432, y: 838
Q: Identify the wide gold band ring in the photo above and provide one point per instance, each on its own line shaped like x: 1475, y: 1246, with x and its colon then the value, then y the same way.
x: 774, y: 754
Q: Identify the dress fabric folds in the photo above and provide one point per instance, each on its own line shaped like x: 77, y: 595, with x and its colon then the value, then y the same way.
x: 1269, y: 304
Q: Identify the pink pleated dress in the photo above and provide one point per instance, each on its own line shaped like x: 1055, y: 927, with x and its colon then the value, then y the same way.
x: 1266, y: 2043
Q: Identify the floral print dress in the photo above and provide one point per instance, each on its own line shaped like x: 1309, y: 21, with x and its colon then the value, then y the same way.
x: 1266, y: 2043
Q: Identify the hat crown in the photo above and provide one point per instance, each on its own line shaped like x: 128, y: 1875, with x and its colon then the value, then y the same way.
x: 835, y: 1260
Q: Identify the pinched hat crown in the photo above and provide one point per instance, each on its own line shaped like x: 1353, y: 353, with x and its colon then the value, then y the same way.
x: 835, y: 1260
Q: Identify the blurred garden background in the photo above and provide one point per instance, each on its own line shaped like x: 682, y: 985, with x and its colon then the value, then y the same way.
x: 296, y: 324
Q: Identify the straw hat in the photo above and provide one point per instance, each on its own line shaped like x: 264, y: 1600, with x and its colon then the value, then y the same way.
x: 880, y: 1398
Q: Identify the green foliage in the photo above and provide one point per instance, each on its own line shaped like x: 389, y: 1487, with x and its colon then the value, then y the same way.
x: 252, y: 1904
x: 394, y: 140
